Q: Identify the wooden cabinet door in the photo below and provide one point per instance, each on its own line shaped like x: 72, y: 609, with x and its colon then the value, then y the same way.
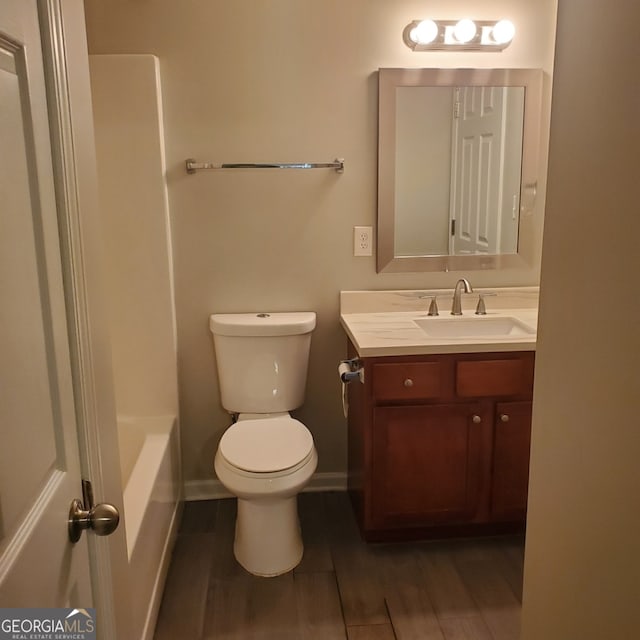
x: 510, y: 481
x: 427, y: 463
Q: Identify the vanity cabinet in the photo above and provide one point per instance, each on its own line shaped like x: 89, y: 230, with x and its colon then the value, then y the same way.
x: 510, y: 471
x: 439, y: 444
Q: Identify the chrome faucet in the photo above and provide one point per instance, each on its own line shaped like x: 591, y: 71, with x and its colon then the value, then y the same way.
x: 456, y: 307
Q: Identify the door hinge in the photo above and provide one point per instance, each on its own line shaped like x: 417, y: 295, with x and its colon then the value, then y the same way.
x: 456, y: 103
x: 453, y: 227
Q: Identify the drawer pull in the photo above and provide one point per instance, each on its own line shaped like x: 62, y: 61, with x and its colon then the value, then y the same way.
x: 504, y: 417
x: 408, y: 382
x: 476, y: 419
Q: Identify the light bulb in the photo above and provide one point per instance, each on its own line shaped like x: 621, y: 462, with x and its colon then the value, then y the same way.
x: 503, y: 31
x: 465, y: 30
x: 424, y: 32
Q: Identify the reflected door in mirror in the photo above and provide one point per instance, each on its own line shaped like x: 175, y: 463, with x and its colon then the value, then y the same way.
x: 485, y: 170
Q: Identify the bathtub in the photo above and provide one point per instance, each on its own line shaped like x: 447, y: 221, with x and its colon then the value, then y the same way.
x: 150, y: 468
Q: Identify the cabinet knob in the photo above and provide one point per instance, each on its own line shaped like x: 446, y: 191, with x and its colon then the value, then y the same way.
x: 504, y: 417
x: 408, y: 382
x: 476, y: 419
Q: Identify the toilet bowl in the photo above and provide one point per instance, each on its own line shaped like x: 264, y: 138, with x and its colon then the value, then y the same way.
x: 265, y: 457
x: 265, y: 461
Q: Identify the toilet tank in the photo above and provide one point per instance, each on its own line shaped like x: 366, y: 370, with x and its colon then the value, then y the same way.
x: 262, y: 359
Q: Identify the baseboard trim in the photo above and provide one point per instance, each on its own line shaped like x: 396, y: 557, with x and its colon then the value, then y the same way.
x: 213, y: 490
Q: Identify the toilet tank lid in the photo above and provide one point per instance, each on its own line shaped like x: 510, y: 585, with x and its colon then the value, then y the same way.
x: 262, y: 324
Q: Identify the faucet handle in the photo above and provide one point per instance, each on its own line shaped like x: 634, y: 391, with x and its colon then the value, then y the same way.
x: 433, y: 305
x: 481, y: 309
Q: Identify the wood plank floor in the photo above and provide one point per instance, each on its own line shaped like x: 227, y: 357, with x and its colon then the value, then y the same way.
x: 344, y: 589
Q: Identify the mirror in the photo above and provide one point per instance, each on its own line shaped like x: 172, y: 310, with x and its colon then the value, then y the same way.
x: 457, y: 167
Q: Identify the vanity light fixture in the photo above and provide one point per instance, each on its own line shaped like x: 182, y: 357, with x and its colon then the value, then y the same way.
x: 458, y: 35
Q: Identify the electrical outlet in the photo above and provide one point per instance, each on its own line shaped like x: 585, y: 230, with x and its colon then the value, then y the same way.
x: 362, y: 241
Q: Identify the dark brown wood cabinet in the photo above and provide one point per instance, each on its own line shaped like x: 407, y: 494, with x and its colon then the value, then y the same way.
x: 426, y: 463
x: 439, y: 444
x: 510, y: 457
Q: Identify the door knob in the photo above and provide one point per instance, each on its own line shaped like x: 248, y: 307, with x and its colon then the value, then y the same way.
x: 476, y: 419
x: 102, y: 518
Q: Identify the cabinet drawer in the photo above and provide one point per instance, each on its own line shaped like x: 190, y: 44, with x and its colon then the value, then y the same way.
x: 411, y: 381
x: 496, y: 377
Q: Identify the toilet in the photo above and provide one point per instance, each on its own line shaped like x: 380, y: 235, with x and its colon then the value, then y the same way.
x: 265, y: 457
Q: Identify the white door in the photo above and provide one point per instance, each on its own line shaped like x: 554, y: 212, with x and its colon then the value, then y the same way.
x: 39, y: 458
x: 477, y: 171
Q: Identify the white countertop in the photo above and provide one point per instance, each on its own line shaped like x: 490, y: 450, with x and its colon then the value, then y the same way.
x: 381, y: 323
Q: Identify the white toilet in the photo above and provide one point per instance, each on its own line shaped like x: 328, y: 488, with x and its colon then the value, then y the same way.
x: 265, y: 457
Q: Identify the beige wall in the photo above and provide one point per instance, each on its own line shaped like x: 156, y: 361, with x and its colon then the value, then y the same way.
x: 582, y: 572
x: 423, y: 170
x: 283, y: 80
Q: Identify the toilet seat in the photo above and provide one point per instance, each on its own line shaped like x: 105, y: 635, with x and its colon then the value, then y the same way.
x: 266, y: 445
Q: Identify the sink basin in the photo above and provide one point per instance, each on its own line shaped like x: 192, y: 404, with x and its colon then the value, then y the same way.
x: 475, y: 327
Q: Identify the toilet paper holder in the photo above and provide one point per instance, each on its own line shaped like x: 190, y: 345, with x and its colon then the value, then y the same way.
x: 351, y: 369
